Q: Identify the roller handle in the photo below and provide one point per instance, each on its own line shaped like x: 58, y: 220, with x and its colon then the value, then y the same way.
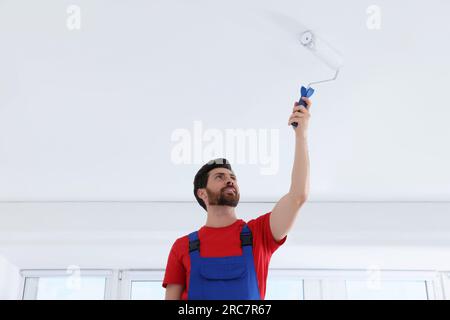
x: 304, y: 92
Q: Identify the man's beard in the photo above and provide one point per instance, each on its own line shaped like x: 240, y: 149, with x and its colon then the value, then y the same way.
x: 222, y: 199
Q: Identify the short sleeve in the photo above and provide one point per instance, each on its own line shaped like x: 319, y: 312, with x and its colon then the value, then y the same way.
x: 175, y: 270
x: 263, y: 234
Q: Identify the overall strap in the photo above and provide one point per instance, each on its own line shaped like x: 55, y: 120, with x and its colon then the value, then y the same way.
x: 246, y: 236
x: 194, y: 242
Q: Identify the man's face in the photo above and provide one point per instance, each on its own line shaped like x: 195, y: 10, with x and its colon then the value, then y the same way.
x: 222, y: 188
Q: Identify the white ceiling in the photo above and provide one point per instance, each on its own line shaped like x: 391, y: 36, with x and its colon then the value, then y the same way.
x: 89, y: 114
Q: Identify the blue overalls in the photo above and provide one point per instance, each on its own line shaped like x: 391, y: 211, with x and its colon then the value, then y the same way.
x: 223, y: 278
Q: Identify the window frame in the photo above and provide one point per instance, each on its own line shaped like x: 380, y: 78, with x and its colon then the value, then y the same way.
x: 318, y: 284
x: 31, y: 293
x: 445, y: 280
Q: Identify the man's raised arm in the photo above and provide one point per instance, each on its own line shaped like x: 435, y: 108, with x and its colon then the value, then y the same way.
x: 286, y: 209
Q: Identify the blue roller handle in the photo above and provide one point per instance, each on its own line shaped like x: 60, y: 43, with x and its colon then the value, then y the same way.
x: 304, y: 92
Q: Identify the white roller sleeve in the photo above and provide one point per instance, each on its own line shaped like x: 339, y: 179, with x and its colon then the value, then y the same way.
x: 322, y: 50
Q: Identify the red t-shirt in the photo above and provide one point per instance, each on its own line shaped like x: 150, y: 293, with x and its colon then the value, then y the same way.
x: 221, y: 242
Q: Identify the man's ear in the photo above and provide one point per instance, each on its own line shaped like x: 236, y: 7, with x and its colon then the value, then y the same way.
x: 201, y: 193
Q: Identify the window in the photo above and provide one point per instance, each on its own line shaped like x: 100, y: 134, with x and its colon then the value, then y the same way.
x: 147, y: 290
x: 285, y: 284
x: 328, y: 284
x: 65, y: 285
x: 386, y: 290
x: 284, y: 289
x: 142, y: 285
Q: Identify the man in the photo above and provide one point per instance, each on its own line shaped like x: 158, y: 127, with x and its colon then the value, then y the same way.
x: 227, y: 258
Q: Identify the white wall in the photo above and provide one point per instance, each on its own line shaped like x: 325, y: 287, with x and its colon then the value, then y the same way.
x: 10, y: 280
x: 139, y: 234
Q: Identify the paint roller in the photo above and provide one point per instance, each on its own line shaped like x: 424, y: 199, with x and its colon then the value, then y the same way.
x: 316, y: 45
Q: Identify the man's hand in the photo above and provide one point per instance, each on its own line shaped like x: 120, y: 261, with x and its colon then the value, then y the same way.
x: 301, y: 115
x: 174, y: 291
